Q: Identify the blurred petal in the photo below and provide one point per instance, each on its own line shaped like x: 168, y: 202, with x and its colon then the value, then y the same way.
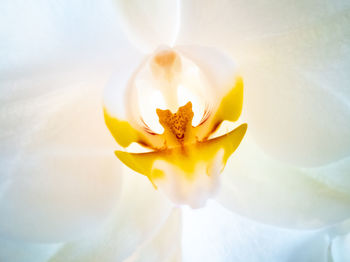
x: 229, y: 23
x: 316, y: 248
x: 141, y: 213
x: 339, y: 229
x: 176, y: 256
x: 215, y: 234
x: 45, y: 33
x: 335, y: 175
x: 266, y: 190
x: 341, y: 248
x: 294, y: 58
x: 16, y: 251
x: 59, y: 175
x: 164, y: 245
x: 150, y: 24
x: 298, y: 101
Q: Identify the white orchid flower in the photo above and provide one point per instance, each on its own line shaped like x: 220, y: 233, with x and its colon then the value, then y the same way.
x: 174, y: 77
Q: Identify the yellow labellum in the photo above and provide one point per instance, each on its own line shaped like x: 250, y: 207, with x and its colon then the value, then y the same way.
x: 184, y: 157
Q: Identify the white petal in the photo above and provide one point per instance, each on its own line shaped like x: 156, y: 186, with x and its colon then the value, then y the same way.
x: 141, y: 213
x: 150, y: 24
x: 339, y: 229
x: 45, y: 33
x: 217, y: 66
x: 216, y: 234
x: 164, y: 245
x: 15, y: 251
x: 316, y: 248
x: 263, y: 189
x: 294, y: 58
x: 229, y: 24
x: 176, y: 256
x: 297, y: 101
x: 335, y: 175
x: 341, y: 248
x: 59, y: 177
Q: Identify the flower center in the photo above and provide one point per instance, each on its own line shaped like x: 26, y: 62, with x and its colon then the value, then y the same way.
x: 191, y: 102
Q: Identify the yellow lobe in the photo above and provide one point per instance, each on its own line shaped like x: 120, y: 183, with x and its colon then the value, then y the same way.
x: 230, y: 108
x: 125, y: 134
x: 184, y: 157
x: 231, y: 105
x: 121, y: 130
